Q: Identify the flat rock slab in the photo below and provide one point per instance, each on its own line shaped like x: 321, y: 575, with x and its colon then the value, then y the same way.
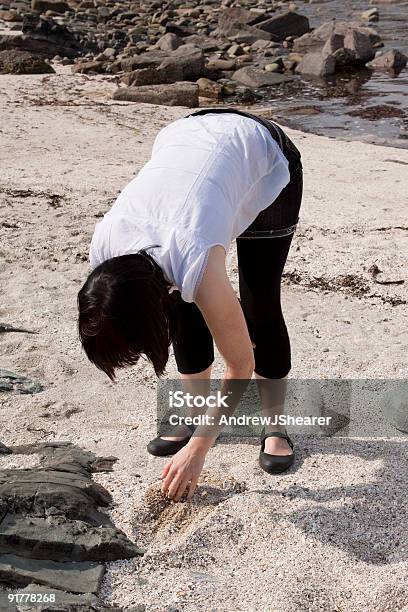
x: 10, y: 381
x: 69, y: 601
x: 59, y: 539
x: 52, y: 531
x: 82, y: 577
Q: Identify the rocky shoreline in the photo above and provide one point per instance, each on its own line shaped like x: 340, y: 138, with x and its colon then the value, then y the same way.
x: 176, y: 53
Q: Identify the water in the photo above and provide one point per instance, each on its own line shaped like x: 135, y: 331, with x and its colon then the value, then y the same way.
x: 361, y: 104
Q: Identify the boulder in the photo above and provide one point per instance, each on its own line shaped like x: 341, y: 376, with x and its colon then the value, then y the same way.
x: 143, y: 76
x: 209, y: 89
x: 150, y: 59
x: 234, y: 18
x: 169, y: 42
x: 317, y: 64
x: 43, y: 37
x: 57, y: 6
x: 182, y: 93
x: 287, y: 24
x: 15, y: 61
x: 255, y: 77
x: 92, y: 67
x: 315, y: 40
x: 184, y: 64
x: 221, y: 64
x: 82, y: 577
x: 390, y: 60
x: 358, y: 42
x: 249, y: 35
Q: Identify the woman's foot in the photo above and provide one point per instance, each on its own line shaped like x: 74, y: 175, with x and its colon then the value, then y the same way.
x: 277, y: 456
x: 170, y: 445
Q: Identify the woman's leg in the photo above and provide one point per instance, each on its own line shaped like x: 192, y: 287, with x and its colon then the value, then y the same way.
x: 194, y: 354
x: 261, y: 260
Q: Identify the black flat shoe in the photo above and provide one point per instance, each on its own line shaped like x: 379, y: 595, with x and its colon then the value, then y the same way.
x: 164, y: 448
x: 275, y: 464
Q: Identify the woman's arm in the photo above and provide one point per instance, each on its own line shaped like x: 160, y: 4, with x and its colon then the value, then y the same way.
x: 223, y: 314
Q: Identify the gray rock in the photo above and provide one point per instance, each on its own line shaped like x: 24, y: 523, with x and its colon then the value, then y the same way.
x: 43, y: 37
x: 15, y: 61
x: 92, y: 67
x: 316, y: 64
x: 315, y: 40
x: 287, y: 24
x: 371, y: 15
x: 82, y: 577
x: 150, y: 59
x: 59, y: 539
x: 358, y: 41
x: 4, y: 450
x: 10, y: 381
x: 71, y: 602
x: 233, y: 18
x: 143, y: 76
x: 184, y: 64
x: 249, y: 35
x: 221, y: 64
x: 209, y: 89
x: 254, y: 77
x: 57, y: 6
x: 169, y: 42
x: 181, y: 93
x: 390, y: 60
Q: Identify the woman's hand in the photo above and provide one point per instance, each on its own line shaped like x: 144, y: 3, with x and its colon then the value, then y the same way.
x: 183, y: 471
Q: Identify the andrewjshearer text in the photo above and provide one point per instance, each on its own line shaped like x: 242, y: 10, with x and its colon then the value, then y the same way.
x: 245, y: 420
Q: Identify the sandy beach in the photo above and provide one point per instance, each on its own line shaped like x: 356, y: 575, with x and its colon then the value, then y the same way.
x: 330, y: 534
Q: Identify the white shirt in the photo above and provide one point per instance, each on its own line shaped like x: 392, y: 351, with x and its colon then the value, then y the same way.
x: 208, y: 178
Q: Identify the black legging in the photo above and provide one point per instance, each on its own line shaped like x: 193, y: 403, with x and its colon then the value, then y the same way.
x: 262, y: 250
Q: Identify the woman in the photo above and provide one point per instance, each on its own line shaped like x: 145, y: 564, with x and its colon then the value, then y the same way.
x: 159, y: 273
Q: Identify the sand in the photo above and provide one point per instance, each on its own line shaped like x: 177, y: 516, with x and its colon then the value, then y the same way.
x: 330, y: 534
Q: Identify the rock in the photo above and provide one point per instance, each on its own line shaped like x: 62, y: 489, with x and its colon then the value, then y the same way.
x: 333, y: 44
x: 92, y: 67
x: 358, y: 42
x: 59, y: 539
x: 43, y: 37
x: 273, y: 67
x: 6, y: 327
x: 57, y: 6
x: 235, y: 51
x: 52, y: 532
x: 371, y: 15
x: 82, y: 577
x: 84, y: 602
x: 234, y: 18
x: 254, y: 77
x: 10, y: 16
x: 9, y: 381
x: 387, y: 1
x: 181, y: 93
x: 184, y: 64
x: 209, y: 89
x: 150, y: 59
x: 260, y: 44
x: 4, y: 450
x: 221, y: 64
x: 316, y: 64
x: 390, y: 60
x: 287, y: 24
x: 249, y: 35
x: 315, y: 40
x: 169, y: 42
x: 14, y: 61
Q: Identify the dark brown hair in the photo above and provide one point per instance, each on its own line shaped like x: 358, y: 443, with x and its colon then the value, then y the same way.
x: 125, y: 310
